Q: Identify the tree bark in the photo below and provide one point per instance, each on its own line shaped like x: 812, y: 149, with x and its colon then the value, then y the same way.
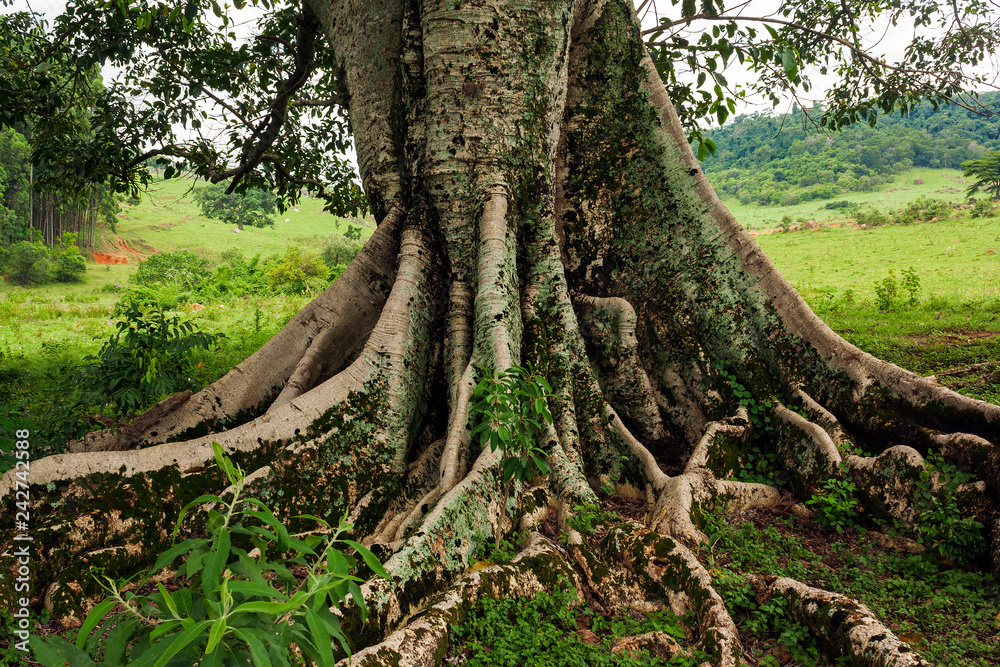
x: 539, y: 203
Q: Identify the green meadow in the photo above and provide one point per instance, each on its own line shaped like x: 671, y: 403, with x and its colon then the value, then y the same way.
x: 948, y: 324
x: 168, y: 219
x: 946, y: 184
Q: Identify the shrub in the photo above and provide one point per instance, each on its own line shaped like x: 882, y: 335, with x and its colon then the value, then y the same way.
x: 338, y: 249
x: 911, y: 283
x: 923, y: 209
x: 510, y: 412
x: 69, y: 263
x: 70, y: 267
x: 886, y: 292
x: 146, y: 359
x: 297, y: 271
x: 789, y: 199
x: 229, y: 608
x: 237, y: 276
x: 983, y: 208
x: 888, y: 289
x: 27, y: 263
x: 871, y: 217
x: 940, y: 524
x: 181, y: 267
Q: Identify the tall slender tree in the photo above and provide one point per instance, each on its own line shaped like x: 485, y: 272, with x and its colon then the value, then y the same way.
x: 538, y: 201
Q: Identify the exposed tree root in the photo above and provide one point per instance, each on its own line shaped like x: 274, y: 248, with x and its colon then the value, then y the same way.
x: 425, y: 638
x: 330, y: 328
x: 609, y: 325
x: 842, y: 624
x: 677, y: 572
x: 672, y: 500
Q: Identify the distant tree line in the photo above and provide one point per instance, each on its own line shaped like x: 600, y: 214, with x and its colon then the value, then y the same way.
x: 42, y: 194
x: 776, y: 160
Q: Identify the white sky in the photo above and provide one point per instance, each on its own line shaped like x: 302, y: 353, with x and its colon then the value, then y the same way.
x: 888, y: 42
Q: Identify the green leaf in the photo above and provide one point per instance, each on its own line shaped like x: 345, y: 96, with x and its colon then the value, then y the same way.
x: 257, y: 651
x: 721, y: 114
x: 272, y: 608
x: 117, y: 641
x: 216, y: 633
x: 370, y: 559
x: 168, y: 556
x: 320, y: 636
x: 225, y: 463
x: 211, y: 576
x: 213, y: 659
x: 250, y: 588
x: 790, y: 63
x: 269, y: 519
x: 169, y: 626
x: 540, y: 463
x: 182, y: 641
x: 195, y: 561
x: 54, y: 650
x: 167, y: 599
x: 95, y: 616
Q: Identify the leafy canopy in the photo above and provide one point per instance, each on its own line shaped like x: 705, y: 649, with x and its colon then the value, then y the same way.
x: 254, y: 207
x: 269, y: 111
x: 986, y: 171
x: 952, y: 49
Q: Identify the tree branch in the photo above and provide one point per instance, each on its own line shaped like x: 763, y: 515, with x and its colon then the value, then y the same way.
x: 867, y: 59
x: 268, y: 129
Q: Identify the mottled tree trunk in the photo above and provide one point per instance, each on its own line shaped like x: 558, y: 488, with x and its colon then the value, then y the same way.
x: 539, y: 203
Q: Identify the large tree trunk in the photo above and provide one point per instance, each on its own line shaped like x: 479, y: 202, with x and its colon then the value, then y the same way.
x: 539, y: 202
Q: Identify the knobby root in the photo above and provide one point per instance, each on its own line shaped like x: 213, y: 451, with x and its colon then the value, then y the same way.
x: 844, y: 625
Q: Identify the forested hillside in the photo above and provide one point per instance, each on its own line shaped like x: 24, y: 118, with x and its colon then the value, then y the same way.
x: 785, y: 160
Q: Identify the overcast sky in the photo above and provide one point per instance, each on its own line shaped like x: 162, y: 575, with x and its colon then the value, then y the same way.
x: 886, y: 42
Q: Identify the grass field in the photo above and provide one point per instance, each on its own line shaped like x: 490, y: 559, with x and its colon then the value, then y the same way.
x: 169, y: 219
x: 945, y: 184
x: 955, y: 322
